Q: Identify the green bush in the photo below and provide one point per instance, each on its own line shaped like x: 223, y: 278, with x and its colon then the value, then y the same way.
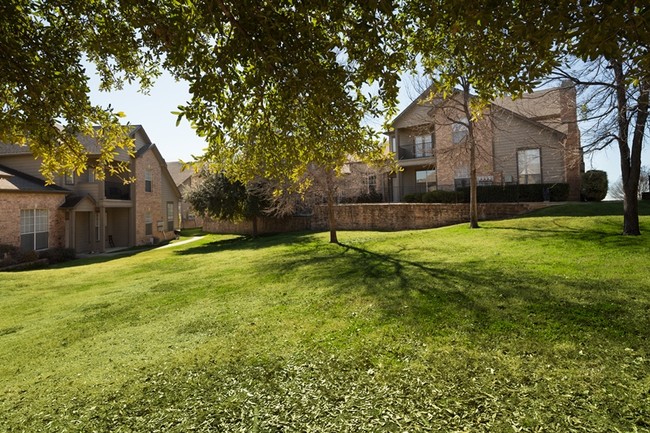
x: 594, y: 185
x: 58, y: 255
x: 413, y: 198
x: 517, y: 193
x: 371, y: 197
x: 440, y: 196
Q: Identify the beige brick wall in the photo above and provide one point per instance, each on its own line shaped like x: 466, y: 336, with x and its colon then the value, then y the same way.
x: 148, y: 201
x: 381, y: 216
x: 12, y: 203
x: 407, y: 216
x: 264, y: 225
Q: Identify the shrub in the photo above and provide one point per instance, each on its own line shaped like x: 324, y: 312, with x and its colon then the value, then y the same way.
x: 371, y: 197
x: 516, y: 193
x: 594, y: 185
x: 413, y: 198
x: 58, y: 255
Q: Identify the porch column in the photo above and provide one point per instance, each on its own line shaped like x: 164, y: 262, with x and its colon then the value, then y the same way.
x: 102, y: 229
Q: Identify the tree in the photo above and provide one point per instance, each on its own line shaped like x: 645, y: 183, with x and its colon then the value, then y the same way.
x: 467, y: 46
x: 617, y: 191
x: 594, y: 185
x: 44, y: 100
x: 280, y: 87
x: 613, y: 37
x: 221, y: 198
x: 510, y: 48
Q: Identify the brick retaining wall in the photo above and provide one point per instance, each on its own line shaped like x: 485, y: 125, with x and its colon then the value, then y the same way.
x: 379, y: 216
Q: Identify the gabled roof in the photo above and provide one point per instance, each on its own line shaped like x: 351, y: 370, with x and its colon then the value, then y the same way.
x: 89, y: 143
x: 422, y: 99
x: 72, y: 201
x: 177, y: 173
x: 503, y: 104
x: 15, y: 181
x: 163, y: 165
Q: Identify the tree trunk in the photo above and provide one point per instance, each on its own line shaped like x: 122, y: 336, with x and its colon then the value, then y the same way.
x: 331, y: 215
x: 473, y: 184
x: 473, y: 187
x: 630, y: 160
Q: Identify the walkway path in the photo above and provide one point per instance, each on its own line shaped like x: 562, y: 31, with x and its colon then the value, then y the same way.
x: 186, y: 241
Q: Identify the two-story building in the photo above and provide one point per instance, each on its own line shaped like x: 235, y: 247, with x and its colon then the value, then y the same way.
x: 534, y: 139
x: 83, y: 212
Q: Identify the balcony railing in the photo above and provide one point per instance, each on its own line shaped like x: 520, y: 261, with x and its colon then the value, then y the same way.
x: 117, y: 190
x: 419, y: 150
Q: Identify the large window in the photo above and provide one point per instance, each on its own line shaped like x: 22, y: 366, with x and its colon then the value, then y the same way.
x: 372, y: 183
x: 459, y: 130
x: 148, y: 224
x: 170, y: 215
x: 423, y: 146
x: 529, y: 166
x: 425, y: 180
x: 147, y: 181
x: 69, y: 178
x: 34, y: 232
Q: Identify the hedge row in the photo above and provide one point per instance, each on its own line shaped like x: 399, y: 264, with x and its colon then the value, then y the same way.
x: 11, y: 256
x: 495, y: 194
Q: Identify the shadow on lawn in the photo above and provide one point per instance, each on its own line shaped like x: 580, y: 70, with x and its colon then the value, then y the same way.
x: 247, y: 243
x: 475, y: 298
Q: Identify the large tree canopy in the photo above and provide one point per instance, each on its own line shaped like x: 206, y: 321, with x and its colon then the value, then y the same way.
x: 44, y: 94
x: 279, y: 85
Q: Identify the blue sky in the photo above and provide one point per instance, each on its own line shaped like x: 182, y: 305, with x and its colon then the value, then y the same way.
x: 153, y: 112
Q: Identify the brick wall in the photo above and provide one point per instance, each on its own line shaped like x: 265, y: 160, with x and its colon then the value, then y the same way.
x: 148, y: 201
x: 381, y: 216
x: 12, y: 203
x: 264, y: 225
x: 406, y: 216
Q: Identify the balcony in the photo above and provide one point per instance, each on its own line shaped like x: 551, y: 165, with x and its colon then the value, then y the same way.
x: 117, y: 190
x: 416, y: 150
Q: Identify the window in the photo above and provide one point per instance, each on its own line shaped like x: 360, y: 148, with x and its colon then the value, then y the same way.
x: 69, y: 178
x: 425, y: 180
x: 147, y: 181
x: 91, y: 175
x: 393, y: 144
x: 459, y: 130
x: 170, y: 215
x: 461, y: 177
x: 529, y: 166
x: 423, y: 146
x: 372, y: 183
x: 148, y: 224
x: 34, y: 232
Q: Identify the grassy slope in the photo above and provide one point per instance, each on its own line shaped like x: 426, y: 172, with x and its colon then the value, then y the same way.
x: 534, y: 324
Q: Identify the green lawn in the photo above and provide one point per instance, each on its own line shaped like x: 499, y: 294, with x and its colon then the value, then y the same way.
x: 538, y: 324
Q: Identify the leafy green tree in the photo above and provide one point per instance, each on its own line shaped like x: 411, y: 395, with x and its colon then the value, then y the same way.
x: 280, y: 87
x: 511, y: 46
x: 465, y: 45
x: 594, y: 185
x: 221, y: 198
x: 44, y: 101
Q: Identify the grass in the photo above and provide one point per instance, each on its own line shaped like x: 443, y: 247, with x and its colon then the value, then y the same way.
x: 533, y: 324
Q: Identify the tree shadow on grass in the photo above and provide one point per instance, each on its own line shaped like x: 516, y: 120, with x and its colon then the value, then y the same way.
x: 475, y: 298
x: 245, y: 242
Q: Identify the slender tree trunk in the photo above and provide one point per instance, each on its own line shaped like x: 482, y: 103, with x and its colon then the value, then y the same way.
x: 630, y: 161
x: 473, y: 187
x: 331, y: 215
x: 473, y: 184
